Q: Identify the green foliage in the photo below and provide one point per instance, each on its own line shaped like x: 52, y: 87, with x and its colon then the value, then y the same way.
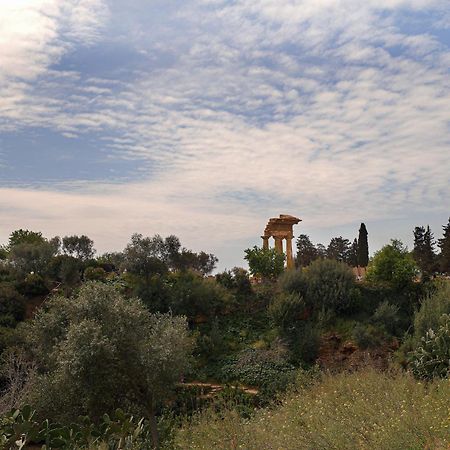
x: 293, y: 281
x: 98, y: 351
x: 370, y: 410
x: 304, y: 342
x: 3, y: 252
x: 330, y: 285
x: 393, y: 265
x: 146, y: 256
x: 193, y: 295
x: 266, y: 369
x: 32, y: 255
x: 367, y: 336
x: 444, y: 246
x: 33, y: 285
x: 432, y: 357
x: 387, y: 316
x: 121, y: 431
x: 306, y: 252
x: 143, y: 256
x: 423, y: 251
x: 286, y: 310
x: 363, y: 247
x: 339, y: 249
x: 94, y: 274
x: 432, y: 307
x: 12, y: 305
x: 19, y: 237
x: 236, y: 281
x: 265, y: 263
x: 80, y: 247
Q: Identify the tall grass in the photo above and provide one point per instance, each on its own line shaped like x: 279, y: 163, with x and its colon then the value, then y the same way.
x: 365, y: 410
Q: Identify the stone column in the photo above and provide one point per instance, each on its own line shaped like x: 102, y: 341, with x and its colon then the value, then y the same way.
x: 265, y: 242
x: 278, y: 243
x: 289, y: 258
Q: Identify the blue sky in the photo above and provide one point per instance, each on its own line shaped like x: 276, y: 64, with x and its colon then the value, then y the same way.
x: 204, y: 118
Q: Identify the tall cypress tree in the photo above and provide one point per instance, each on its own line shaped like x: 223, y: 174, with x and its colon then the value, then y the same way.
x: 363, y: 247
x: 444, y: 245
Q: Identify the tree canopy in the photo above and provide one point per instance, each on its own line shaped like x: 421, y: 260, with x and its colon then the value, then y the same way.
x: 265, y: 263
x: 98, y: 351
x: 392, y: 264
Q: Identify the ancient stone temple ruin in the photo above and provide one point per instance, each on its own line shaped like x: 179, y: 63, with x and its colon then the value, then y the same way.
x: 281, y: 228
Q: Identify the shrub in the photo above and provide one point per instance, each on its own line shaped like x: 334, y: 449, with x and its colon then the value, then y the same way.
x: 94, y: 274
x: 431, y: 310
x: 329, y: 285
x: 33, y: 285
x: 367, y: 336
x: 432, y: 357
x: 266, y: 369
x: 386, y: 315
x: 236, y: 281
x: 293, y: 281
x: 12, y: 304
x: 192, y: 295
x: 98, y: 350
x: 287, y: 309
x: 304, y: 342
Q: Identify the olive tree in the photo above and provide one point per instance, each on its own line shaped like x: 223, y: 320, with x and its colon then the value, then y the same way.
x: 98, y: 351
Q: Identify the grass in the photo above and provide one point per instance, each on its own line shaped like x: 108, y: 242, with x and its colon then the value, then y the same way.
x: 364, y: 410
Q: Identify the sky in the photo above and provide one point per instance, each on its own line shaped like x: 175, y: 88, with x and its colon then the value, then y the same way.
x: 204, y: 118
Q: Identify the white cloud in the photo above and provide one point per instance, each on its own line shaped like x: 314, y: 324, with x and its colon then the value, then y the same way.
x: 323, y: 109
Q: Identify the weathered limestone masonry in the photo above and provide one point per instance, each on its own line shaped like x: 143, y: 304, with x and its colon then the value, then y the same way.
x: 281, y: 228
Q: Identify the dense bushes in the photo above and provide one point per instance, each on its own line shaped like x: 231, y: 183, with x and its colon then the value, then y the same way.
x: 267, y: 369
x: 432, y: 307
x: 431, y: 358
x: 12, y: 305
x: 98, y: 351
x: 430, y: 344
x: 121, y: 431
x: 324, y: 285
x: 330, y: 285
x: 347, y: 411
x: 193, y: 295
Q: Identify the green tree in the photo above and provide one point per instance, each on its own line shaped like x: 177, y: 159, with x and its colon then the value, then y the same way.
x: 80, y: 247
x: 444, y: 246
x: 393, y: 264
x: 265, y: 263
x: 321, y: 251
x: 27, y: 257
x: 192, y: 295
x: 363, y: 246
x: 25, y: 237
x: 3, y: 252
x: 329, y: 286
x: 236, y: 281
x: 338, y: 249
x: 99, y: 351
x: 423, y: 251
x: 352, y: 257
x: 306, y: 252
